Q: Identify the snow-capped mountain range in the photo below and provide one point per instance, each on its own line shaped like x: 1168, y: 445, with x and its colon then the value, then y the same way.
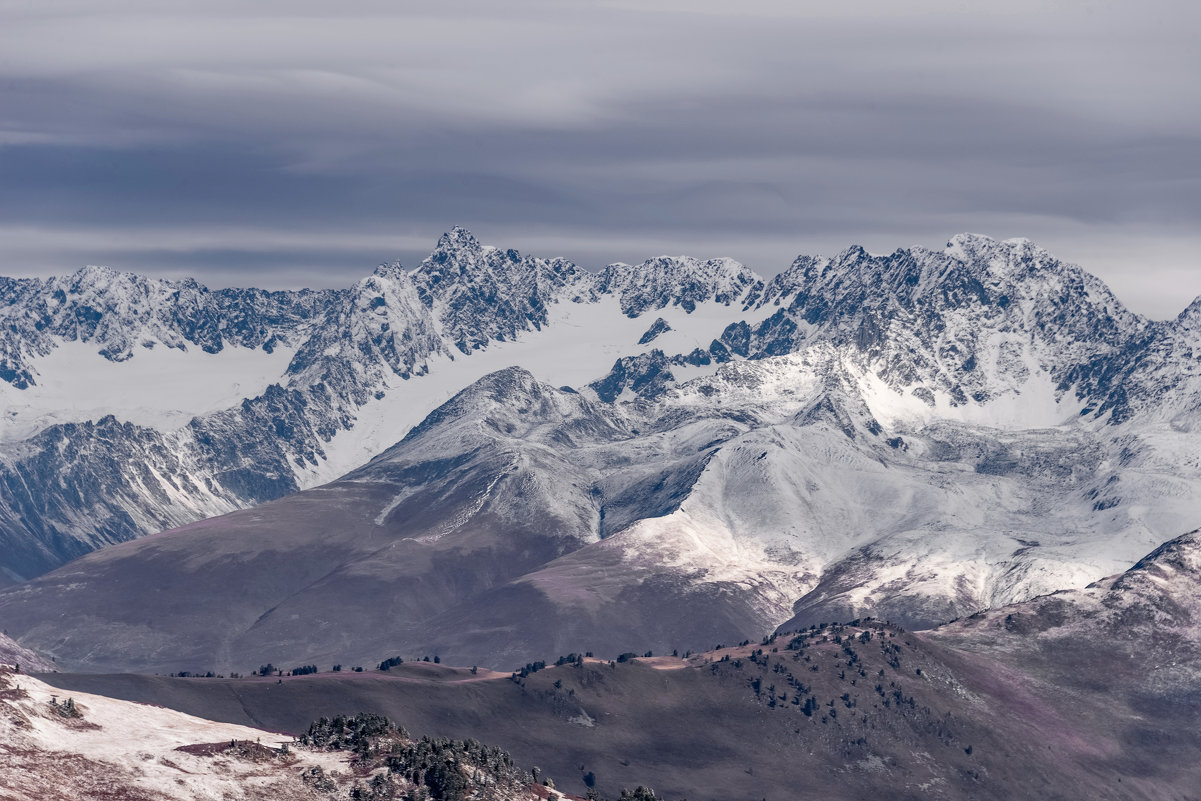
x: 916, y: 435
x: 132, y: 405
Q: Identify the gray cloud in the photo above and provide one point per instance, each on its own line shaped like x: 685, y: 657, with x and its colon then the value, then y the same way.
x: 283, y: 145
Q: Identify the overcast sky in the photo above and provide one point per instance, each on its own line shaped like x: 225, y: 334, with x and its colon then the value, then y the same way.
x: 296, y: 143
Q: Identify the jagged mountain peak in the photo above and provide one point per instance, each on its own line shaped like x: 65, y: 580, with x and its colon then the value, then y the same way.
x: 380, y: 326
x: 114, y: 287
x: 1190, y: 318
x: 717, y: 269
x: 972, y: 324
x: 967, y: 243
x: 393, y: 270
x: 482, y: 294
x: 1020, y: 263
x: 910, y: 274
x: 458, y: 234
x: 851, y: 254
x: 454, y: 246
x: 676, y: 281
x: 999, y: 266
x: 117, y: 311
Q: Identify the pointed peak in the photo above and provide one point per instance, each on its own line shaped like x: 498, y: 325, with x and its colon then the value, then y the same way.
x: 457, y: 245
x: 852, y: 253
x: 1191, y: 316
x: 391, y: 270
x: 457, y: 248
x: 663, y: 263
x: 458, y: 236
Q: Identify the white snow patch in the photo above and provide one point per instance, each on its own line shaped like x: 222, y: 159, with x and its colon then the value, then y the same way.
x: 121, y: 744
x: 160, y: 387
x: 1034, y: 404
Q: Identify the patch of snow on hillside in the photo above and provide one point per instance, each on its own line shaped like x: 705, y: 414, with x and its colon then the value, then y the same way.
x: 121, y: 749
x: 162, y: 388
x: 1033, y: 405
x: 699, y: 545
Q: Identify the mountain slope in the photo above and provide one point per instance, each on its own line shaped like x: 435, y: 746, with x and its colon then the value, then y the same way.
x: 86, y: 746
x: 519, y: 520
x: 98, y: 747
x: 452, y: 510
x: 1148, y: 617
x: 1081, y: 694
x: 993, y: 426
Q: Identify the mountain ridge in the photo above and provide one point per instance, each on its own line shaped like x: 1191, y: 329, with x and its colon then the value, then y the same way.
x: 730, y: 457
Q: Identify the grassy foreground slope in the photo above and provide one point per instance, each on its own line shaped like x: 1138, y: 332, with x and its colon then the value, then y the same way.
x: 845, y: 712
